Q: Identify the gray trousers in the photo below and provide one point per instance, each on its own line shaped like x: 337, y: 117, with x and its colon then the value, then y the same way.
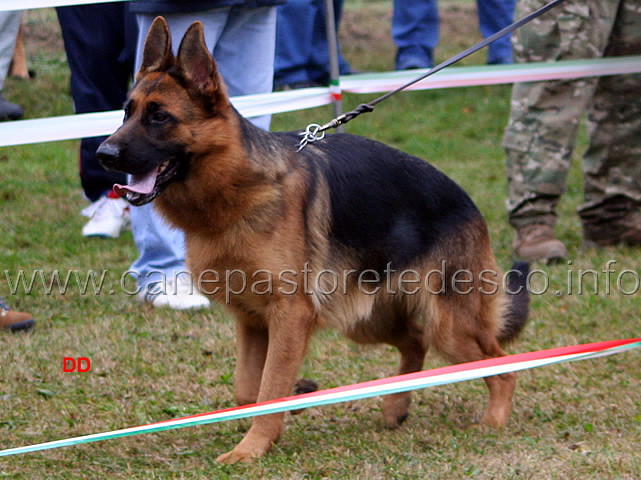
x: 9, y: 26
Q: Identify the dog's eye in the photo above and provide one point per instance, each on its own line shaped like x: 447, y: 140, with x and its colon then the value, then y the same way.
x: 159, y: 117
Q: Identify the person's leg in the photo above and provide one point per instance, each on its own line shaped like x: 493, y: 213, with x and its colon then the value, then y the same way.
x: 99, y: 42
x: 254, y: 29
x: 318, y: 65
x: 294, y: 42
x: 541, y: 134
x: 415, y: 31
x: 343, y: 66
x: 494, y: 15
x: 539, y: 141
x: 611, y: 164
x: 9, y: 26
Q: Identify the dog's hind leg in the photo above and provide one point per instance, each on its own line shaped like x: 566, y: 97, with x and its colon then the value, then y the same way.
x: 501, y: 392
x: 412, y: 350
x: 465, y: 336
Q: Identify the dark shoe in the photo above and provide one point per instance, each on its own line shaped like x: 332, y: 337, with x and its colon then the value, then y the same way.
x: 412, y: 64
x: 9, y: 111
x: 625, y: 230
x: 500, y: 61
x: 414, y: 57
x: 14, y: 321
x: 537, y: 242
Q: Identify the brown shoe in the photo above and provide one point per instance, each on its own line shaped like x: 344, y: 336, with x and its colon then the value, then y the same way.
x: 14, y: 321
x: 536, y: 242
x: 625, y: 230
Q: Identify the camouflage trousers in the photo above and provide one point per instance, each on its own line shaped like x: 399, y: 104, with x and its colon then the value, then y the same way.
x: 545, y: 116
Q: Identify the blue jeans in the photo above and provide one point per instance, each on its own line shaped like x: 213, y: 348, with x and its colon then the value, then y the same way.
x: 495, y: 15
x: 242, y: 41
x: 301, y: 43
x: 415, y: 26
x: 415, y: 30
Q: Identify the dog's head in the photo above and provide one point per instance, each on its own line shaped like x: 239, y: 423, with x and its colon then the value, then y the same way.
x: 176, y: 100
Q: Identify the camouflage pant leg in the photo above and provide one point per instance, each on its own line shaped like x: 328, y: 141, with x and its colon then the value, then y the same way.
x: 544, y: 118
x: 612, y: 163
x: 539, y: 146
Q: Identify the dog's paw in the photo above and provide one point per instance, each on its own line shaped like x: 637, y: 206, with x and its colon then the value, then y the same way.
x: 303, y: 385
x: 493, y: 420
x: 395, y: 422
x: 251, y: 447
x: 234, y: 456
x: 396, y: 409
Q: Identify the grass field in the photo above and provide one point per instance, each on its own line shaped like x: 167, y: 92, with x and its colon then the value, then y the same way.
x: 578, y: 420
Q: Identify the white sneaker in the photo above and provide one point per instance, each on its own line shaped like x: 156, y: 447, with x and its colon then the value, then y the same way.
x: 178, y: 296
x: 108, y: 217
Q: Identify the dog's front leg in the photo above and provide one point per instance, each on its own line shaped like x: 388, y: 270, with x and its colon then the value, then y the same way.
x: 251, y: 352
x: 289, y: 323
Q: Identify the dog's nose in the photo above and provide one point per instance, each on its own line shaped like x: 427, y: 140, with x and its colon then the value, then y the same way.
x: 108, y: 155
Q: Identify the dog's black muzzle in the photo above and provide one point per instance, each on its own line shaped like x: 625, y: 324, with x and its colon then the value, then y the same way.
x: 109, y: 156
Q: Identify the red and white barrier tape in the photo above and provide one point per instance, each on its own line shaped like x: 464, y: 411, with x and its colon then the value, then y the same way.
x: 385, y: 386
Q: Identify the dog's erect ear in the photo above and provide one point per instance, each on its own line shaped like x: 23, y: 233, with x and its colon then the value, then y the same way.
x: 195, y: 63
x: 157, y: 55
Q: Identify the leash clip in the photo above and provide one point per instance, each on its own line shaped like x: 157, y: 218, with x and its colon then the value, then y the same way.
x: 312, y: 133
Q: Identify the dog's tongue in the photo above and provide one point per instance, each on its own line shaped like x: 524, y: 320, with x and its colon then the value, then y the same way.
x: 143, y: 184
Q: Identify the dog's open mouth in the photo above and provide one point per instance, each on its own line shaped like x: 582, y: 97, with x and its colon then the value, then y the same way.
x: 145, y: 187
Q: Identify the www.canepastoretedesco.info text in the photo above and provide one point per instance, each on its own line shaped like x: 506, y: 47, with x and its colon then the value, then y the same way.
x: 606, y: 280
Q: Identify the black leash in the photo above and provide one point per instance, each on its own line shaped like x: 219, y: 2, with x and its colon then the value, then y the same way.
x: 315, y: 132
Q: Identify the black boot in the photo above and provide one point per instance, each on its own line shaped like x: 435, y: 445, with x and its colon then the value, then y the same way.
x: 9, y: 111
x: 616, y: 222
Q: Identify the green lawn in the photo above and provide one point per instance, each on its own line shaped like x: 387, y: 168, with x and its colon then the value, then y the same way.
x: 576, y: 420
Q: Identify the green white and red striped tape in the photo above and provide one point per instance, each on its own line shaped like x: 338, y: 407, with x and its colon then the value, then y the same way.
x: 105, y: 123
x: 385, y: 386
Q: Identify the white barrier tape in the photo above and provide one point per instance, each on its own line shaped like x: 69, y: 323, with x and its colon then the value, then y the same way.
x: 104, y: 123
x: 493, y: 74
x: 280, y: 102
x: 85, y: 125
x: 9, y: 5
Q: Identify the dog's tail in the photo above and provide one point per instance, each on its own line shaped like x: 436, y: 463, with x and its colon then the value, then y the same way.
x: 516, y: 314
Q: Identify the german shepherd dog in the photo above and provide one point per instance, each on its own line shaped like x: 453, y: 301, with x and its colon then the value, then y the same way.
x: 347, y: 233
